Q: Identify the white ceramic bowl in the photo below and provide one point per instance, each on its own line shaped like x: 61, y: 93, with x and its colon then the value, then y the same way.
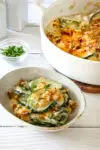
x: 14, y: 42
x: 83, y: 70
x: 10, y: 79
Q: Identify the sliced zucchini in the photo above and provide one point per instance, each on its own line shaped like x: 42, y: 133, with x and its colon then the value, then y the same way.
x: 61, y: 101
x: 25, y: 85
x: 57, y: 119
x: 54, y: 84
x: 49, y: 83
x: 43, y: 119
x: 89, y: 55
x: 61, y: 117
x: 39, y: 106
x: 66, y: 23
x: 43, y: 109
x: 36, y: 81
x: 23, y: 100
x: 94, y: 58
x: 20, y: 91
x: 37, y: 121
x: 17, y: 93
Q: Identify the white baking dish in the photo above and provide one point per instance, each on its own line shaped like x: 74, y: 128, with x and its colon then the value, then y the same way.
x: 86, y: 71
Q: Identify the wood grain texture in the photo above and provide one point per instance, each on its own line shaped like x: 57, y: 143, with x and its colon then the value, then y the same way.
x: 88, y: 88
x: 69, y: 139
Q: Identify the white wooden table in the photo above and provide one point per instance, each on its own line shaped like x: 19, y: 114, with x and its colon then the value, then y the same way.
x: 83, y: 135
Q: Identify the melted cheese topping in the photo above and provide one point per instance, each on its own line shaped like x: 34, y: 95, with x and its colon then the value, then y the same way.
x: 75, y: 37
x: 47, y: 103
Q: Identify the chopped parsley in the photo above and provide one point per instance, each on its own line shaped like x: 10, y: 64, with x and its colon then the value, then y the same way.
x: 13, y: 51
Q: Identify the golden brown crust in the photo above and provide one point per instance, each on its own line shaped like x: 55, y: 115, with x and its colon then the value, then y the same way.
x: 76, y: 38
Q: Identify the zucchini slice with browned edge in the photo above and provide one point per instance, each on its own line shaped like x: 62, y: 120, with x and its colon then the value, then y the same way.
x: 23, y: 100
x: 49, y: 83
x: 35, y: 107
x: 39, y: 106
x: 20, y: 91
x: 88, y: 56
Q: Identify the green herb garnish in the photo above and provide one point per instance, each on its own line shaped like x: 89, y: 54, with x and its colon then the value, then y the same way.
x: 33, y: 87
x: 13, y: 51
x: 47, y: 86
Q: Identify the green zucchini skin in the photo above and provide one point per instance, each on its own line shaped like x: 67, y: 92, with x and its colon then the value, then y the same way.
x: 23, y: 100
x: 51, y: 105
x: 49, y: 83
x: 20, y: 91
x: 65, y: 100
x: 39, y: 122
x: 49, y: 113
x: 87, y: 57
x: 60, y: 119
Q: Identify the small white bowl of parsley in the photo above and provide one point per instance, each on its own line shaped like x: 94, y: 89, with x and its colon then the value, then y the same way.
x: 14, y: 50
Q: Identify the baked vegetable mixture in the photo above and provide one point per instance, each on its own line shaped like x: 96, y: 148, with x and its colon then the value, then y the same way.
x: 76, y: 37
x: 41, y: 102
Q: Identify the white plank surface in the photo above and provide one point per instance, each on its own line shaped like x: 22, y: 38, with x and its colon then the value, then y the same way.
x: 31, y: 60
x: 70, y: 139
x: 83, y: 135
x: 33, y: 41
x: 91, y: 115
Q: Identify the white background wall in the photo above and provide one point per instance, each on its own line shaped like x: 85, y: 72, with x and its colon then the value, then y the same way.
x: 33, y: 13
x: 45, y: 1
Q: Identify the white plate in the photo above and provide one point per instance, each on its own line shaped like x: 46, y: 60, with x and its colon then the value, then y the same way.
x: 11, y: 78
